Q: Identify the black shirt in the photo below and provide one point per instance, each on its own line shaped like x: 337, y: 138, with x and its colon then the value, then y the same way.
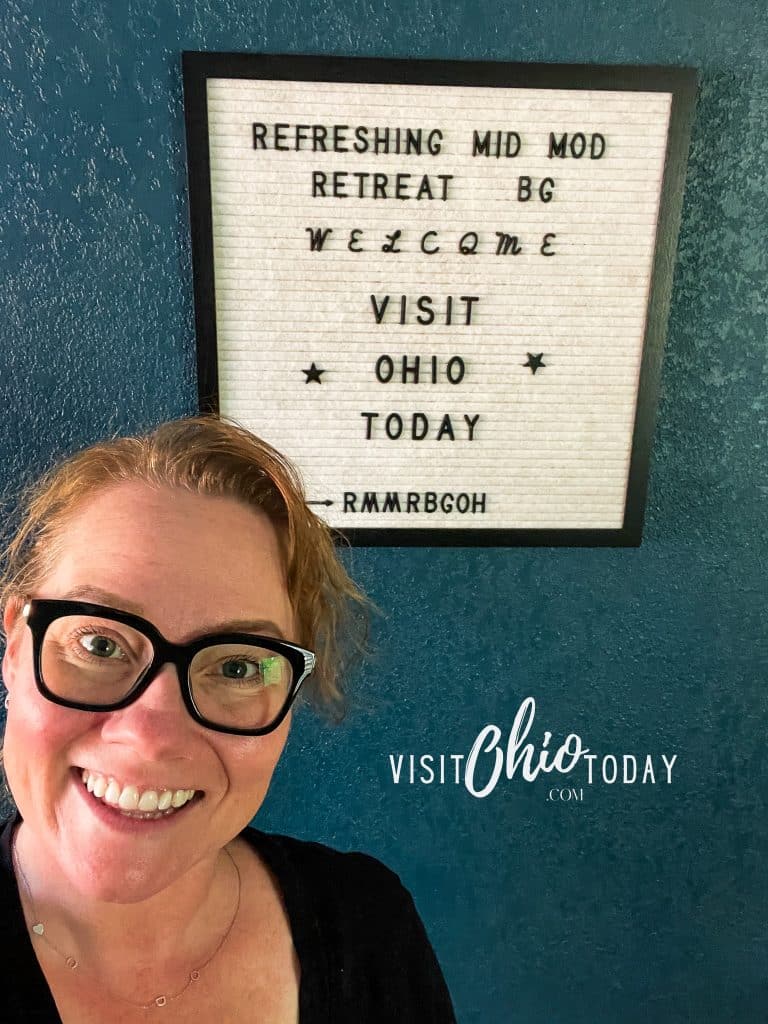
x: 365, y: 957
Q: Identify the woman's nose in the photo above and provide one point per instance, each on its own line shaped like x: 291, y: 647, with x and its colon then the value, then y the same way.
x: 157, y: 724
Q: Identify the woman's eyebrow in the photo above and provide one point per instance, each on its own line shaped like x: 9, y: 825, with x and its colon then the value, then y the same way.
x: 97, y: 595
x: 245, y: 626
x: 87, y: 592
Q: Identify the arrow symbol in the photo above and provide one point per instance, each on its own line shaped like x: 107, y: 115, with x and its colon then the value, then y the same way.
x: 326, y: 502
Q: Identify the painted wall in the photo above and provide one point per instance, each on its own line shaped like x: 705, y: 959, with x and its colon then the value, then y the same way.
x: 644, y: 902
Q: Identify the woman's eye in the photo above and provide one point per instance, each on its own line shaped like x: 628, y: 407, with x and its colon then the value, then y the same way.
x: 101, y: 646
x: 238, y: 668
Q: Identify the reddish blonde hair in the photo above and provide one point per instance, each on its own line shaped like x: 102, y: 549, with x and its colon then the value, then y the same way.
x: 212, y: 456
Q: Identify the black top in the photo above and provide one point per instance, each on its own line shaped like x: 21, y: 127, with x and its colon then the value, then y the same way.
x: 365, y: 957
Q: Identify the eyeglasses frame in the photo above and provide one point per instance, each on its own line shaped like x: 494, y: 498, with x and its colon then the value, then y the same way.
x: 40, y: 613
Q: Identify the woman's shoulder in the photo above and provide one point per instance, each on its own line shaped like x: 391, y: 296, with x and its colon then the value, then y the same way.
x: 364, y: 952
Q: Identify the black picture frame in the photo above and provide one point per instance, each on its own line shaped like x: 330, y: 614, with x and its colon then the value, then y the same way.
x: 680, y: 82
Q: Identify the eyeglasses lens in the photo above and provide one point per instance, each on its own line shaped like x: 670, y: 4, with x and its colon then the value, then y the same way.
x: 93, y: 660
x: 241, y: 686
x: 98, y: 661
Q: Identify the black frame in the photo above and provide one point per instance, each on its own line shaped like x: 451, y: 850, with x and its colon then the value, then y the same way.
x: 40, y: 613
x: 681, y: 82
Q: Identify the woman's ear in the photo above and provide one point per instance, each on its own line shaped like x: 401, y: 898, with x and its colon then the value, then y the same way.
x: 12, y: 627
x: 11, y: 612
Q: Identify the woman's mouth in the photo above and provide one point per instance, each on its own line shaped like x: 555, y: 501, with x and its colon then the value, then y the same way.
x: 133, y: 802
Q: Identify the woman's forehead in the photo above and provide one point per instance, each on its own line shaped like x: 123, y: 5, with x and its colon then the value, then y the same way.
x: 136, y: 500
x: 163, y: 549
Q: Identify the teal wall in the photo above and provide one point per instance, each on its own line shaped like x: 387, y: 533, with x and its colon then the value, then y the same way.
x: 641, y: 903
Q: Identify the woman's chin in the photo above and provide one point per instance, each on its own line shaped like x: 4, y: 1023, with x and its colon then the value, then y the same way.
x: 120, y: 856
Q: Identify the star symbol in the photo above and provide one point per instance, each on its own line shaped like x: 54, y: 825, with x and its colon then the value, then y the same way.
x: 534, y: 362
x: 313, y: 374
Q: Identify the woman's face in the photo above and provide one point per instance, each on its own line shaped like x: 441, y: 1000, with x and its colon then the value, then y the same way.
x: 190, y: 564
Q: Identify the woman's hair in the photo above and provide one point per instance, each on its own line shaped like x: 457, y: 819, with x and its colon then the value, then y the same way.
x: 211, y: 456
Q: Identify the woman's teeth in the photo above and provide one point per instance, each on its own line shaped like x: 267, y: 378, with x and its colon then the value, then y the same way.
x: 147, y: 803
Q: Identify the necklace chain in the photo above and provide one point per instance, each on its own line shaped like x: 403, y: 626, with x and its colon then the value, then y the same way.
x: 38, y: 931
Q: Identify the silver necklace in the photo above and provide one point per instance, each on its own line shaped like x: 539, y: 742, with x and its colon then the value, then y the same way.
x: 37, y: 930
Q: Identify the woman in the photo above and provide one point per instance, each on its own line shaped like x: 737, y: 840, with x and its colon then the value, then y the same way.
x: 161, y: 602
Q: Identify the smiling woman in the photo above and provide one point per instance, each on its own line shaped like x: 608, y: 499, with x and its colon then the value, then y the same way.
x: 165, y: 600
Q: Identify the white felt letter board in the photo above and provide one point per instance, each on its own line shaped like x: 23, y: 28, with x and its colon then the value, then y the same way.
x: 440, y: 288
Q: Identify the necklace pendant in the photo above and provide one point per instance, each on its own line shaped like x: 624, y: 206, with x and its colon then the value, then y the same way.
x: 161, y: 1001
x: 71, y: 963
x: 38, y: 928
x: 194, y: 975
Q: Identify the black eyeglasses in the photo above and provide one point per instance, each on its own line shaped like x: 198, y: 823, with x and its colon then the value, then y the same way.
x: 95, y: 658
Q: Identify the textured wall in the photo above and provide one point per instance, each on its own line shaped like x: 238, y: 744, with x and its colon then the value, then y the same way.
x: 643, y: 903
